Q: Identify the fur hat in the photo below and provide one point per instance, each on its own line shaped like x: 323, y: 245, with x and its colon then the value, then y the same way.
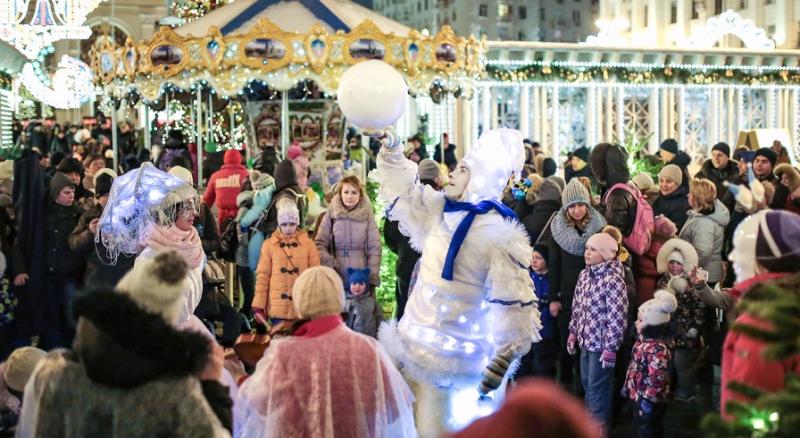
x: 644, y: 182
x: 428, y: 169
x: 575, y: 193
x: 687, y: 251
x: 672, y: 172
x: 605, y: 244
x: 19, y: 367
x: 722, y: 147
x: 288, y: 214
x: 318, y: 292
x: 769, y: 154
x: 182, y: 173
x: 669, y: 145
x: 550, y: 189
x: 103, y: 183
x: 58, y: 182
x: 778, y: 241
x: 355, y: 275
x: 157, y: 284
x: 657, y: 310
x: 609, y: 164
x: 791, y: 174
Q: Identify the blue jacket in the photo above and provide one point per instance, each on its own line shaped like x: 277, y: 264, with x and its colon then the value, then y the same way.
x: 542, y: 285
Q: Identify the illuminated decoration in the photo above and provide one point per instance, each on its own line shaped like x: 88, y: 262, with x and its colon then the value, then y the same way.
x: 72, y: 84
x: 281, y: 59
x: 50, y: 21
x: 730, y: 23
x: 466, y: 406
x: 610, y: 34
x: 193, y: 9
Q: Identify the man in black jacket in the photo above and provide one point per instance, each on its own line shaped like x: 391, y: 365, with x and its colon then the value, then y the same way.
x: 763, y: 168
x: 720, y: 168
x: 449, y: 153
x: 407, y: 257
x: 670, y: 154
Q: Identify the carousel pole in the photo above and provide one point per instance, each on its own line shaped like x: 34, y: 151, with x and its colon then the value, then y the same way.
x: 198, y: 138
x: 146, y: 130
x: 284, y: 122
x: 114, y: 145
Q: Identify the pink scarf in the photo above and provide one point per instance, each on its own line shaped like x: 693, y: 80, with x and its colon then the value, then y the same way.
x: 187, y: 243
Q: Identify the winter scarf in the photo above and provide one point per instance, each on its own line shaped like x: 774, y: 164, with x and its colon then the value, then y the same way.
x: 568, y: 238
x: 187, y: 243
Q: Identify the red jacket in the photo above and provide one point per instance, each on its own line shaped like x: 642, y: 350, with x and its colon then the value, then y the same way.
x: 225, y: 185
x: 743, y: 360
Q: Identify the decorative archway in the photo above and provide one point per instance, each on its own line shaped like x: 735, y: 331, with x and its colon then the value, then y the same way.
x: 731, y: 23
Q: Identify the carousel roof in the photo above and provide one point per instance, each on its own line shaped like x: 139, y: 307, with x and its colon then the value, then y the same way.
x: 292, y: 16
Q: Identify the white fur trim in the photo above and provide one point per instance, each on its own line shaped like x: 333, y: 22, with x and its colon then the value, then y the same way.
x: 690, y: 259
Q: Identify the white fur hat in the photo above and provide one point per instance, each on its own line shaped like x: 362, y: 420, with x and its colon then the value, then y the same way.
x: 19, y: 367
x: 104, y: 171
x: 657, y: 310
x: 182, y: 173
x: 157, y: 284
x: 685, y: 248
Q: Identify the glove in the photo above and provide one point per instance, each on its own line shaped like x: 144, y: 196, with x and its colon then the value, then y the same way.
x: 608, y: 359
x: 646, y: 406
x: 692, y: 333
x: 493, y: 374
x: 572, y: 345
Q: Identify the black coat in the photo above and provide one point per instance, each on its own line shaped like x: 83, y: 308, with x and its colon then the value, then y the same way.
x: 407, y: 259
x: 718, y: 176
x: 586, y: 171
x: 683, y: 160
x: 267, y: 160
x: 564, y: 270
x: 674, y: 206
x: 60, y: 260
x: 620, y: 210
x: 449, y: 155
x: 100, y: 270
x: 536, y: 220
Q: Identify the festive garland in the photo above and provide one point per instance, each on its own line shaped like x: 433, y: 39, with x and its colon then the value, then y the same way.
x: 5, y: 80
x: 194, y: 9
x: 665, y: 75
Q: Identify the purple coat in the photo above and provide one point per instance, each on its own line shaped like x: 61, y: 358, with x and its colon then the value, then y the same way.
x: 600, y: 307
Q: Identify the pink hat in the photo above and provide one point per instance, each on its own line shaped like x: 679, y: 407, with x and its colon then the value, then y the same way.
x: 294, y: 151
x: 604, y: 244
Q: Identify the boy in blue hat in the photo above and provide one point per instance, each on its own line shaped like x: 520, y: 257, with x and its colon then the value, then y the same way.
x: 364, y: 315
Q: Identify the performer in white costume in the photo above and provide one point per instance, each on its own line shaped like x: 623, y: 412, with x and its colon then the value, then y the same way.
x: 473, y: 310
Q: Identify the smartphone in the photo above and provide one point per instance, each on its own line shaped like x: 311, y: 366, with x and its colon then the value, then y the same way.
x: 702, y: 274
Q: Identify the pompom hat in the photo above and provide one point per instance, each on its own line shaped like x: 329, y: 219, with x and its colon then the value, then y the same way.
x: 157, y: 284
x: 778, y: 241
x: 657, y: 310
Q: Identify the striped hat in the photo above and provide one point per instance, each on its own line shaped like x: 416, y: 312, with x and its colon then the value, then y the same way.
x: 778, y: 241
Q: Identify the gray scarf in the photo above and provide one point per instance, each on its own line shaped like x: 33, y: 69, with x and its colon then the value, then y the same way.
x: 568, y: 238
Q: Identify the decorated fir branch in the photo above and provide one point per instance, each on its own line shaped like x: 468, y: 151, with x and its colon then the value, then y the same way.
x: 386, y: 291
x: 768, y: 414
x: 639, y: 161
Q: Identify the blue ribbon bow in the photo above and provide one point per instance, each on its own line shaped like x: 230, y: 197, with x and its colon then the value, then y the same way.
x: 482, y: 207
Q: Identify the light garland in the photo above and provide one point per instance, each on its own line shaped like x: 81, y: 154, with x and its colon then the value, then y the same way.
x: 72, y: 84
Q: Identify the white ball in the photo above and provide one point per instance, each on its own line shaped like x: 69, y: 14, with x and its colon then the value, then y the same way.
x: 372, y: 94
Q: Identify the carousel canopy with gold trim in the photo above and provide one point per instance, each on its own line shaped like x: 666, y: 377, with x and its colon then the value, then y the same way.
x: 242, y: 42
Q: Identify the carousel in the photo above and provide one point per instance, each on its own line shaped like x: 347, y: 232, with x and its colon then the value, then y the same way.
x: 11, y: 62
x: 256, y: 74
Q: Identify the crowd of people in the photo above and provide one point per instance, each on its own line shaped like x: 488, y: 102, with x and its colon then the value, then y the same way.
x: 636, y: 279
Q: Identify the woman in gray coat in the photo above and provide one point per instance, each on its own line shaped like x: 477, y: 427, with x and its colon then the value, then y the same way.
x: 705, y: 228
x: 348, y: 235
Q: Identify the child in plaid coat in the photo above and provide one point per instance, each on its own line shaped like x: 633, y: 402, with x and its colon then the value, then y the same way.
x: 597, y: 326
x: 647, y: 382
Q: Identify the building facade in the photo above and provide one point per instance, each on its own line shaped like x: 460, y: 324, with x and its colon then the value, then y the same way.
x: 523, y: 20
x: 665, y: 23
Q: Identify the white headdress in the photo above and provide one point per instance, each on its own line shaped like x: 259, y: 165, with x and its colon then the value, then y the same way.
x: 138, y: 200
x: 498, y: 154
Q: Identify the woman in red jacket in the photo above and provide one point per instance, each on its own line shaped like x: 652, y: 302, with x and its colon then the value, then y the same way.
x: 224, y: 186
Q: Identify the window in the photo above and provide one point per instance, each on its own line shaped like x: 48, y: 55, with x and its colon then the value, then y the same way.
x: 576, y: 18
x: 483, y: 10
x: 673, y: 12
x: 521, y: 36
x: 503, y: 11
x: 769, y: 2
x: 770, y: 30
x: 523, y: 13
x: 541, y: 15
x: 646, y: 16
x: 696, y: 6
x: 454, y: 15
x: 426, y: 5
x: 742, y: 4
x: 419, y: 7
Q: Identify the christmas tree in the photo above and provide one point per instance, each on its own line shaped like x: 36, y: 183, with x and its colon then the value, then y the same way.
x: 769, y: 414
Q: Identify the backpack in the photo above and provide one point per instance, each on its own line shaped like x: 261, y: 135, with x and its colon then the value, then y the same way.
x: 229, y: 240
x: 638, y: 242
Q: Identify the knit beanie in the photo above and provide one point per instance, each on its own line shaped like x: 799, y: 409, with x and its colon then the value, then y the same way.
x: 657, y: 310
x: 58, y: 182
x: 672, y: 172
x: 670, y: 145
x: 722, y: 147
x: 102, y: 184
x: 260, y: 180
x: 550, y: 189
x: 549, y: 167
x: 575, y: 193
x: 644, y: 182
x: 157, y: 284
x: 769, y: 154
x: 675, y: 256
x: 603, y: 243
x: 582, y: 153
x: 19, y: 367
x: 778, y: 241
x: 318, y: 292
x: 69, y: 165
x: 744, y: 155
x: 355, y: 275
x: 288, y: 214
x: 542, y: 250
x: 182, y: 173
x: 428, y: 170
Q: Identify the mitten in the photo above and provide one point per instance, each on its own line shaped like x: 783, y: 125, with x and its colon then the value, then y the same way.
x: 608, y: 359
x: 646, y: 406
x: 572, y: 344
x: 493, y: 374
